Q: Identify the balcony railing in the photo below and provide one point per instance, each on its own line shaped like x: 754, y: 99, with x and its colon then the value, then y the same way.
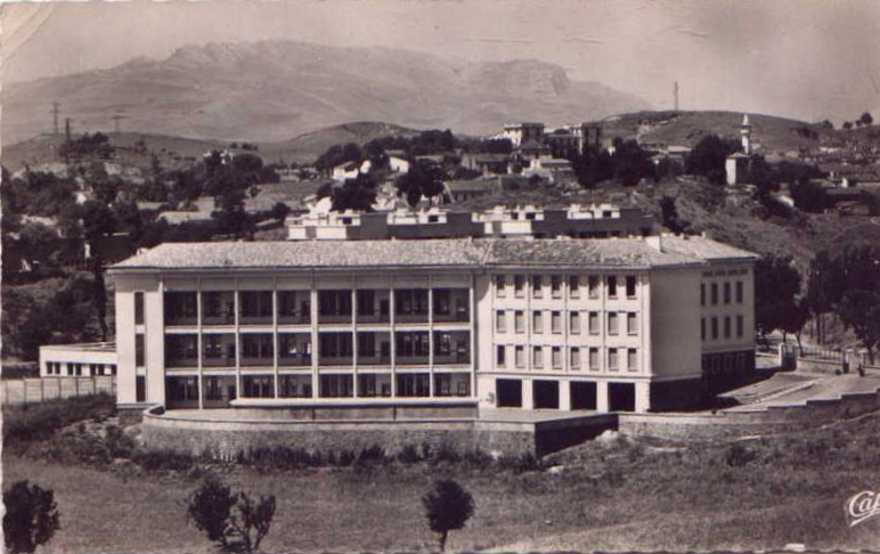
x: 295, y: 360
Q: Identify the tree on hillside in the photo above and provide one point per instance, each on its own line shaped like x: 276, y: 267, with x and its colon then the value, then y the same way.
x: 709, y: 156
x: 38, y: 242
x: 631, y: 163
x: 866, y: 119
x: 97, y: 221
x: 339, y: 154
x: 355, y: 194
x: 847, y: 125
x: 777, y: 282
x: 31, y: 517
x: 859, y: 310
x: 422, y: 179
x: 808, y: 196
x: 231, y: 218
x: 669, y: 215
x: 448, y: 507
x: 593, y: 166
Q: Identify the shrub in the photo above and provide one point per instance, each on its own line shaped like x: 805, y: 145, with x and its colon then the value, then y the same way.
x: 477, y: 458
x: 31, y: 517
x: 446, y: 453
x: 162, y: 460
x: 346, y: 458
x: 39, y: 422
x: 374, y: 454
x: 447, y: 507
x: 409, y: 455
x: 738, y: 455
x: 227, y: 517
x: 209, y: 509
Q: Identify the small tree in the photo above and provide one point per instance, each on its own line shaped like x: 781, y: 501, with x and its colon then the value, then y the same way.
x: 866, y: 119
x: 253, y: 520
x: 31, y: 517
x: 447, y: 506
x: 860, y: 310
x: 210, y: 508
x: 229, y: 518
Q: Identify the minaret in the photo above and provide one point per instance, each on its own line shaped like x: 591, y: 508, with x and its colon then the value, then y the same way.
x: 745, y: 131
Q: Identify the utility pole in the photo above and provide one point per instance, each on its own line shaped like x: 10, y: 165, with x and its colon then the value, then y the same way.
x: 67, y: 129
x: 54, y: 112
x: 675, y: 94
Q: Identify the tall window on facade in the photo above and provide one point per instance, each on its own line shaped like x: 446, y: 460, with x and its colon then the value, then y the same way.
x: 574, y: 361
x: 336, y: 386
x: 180, y: 308
x: 294, y: 306
x: 727, y: 292
x: 500, y: 356
x: 714, y: 327
x: 702, y: 328
x: 500, y: 284
x: 574, y: 323
x: 739, y: 292
x: 630, y: 286
x: 334, y: 303
x: 413, y: 385
x: 594, y: 323
x: 255, y: 306
x: 593, y: 286
x: 556, y: 286
x: 139, y: 350
x: 702, y: 294
x: 537, y: 321
x: 714, y: 289
x: 555, y: 322
x: 727, y: 327
x: 500, y: 321
x: 138, y: 308
x: 537, y: 287
x: 574, y: 287
x: 366, y: 302
x: 612, y: 359
x: 452, y: 384
x: 632, y: 359
x: 594, y: 359
x: 519, y: 285
x: 519, y: 357
x: 140, y: 388
x: 739, y: 326
x: 612, y: 323
x: 538, y: 357
x: 519, y: 324
x: 632, y: 324
x: 612, y: 286
x: 556, y: 357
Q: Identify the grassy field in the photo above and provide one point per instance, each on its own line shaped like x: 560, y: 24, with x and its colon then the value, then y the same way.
x: 616, y: 494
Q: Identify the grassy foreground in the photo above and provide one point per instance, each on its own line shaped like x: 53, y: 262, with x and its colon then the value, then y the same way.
x: 616, y: 494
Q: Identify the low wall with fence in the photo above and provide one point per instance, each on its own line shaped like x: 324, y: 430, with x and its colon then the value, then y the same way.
x: 825, y: 360
x: 40, y: 389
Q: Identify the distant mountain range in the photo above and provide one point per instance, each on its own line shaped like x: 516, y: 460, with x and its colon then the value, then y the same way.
x: 273, y: 91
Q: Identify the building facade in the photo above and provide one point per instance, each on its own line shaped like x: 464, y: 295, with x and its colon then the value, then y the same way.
x: 78, y: 360
x: 606, y: 325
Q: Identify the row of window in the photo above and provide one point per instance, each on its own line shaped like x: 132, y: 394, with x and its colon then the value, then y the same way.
x: 76, y: 369
x: 613, y: 319
x: 222, y: 389
x: 449, y: 347
x: 578, y: 358
x: 713, y: 328
x: 538, y: 284
x: 294, y: 306
x: 726, y: 290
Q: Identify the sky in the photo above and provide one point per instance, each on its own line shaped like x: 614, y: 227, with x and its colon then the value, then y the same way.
x: 810, y: 59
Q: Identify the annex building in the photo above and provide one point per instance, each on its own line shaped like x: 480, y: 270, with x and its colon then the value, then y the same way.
x: 619, y: 324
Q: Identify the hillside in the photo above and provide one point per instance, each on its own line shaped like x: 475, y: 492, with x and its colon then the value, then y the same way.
x: 773, y: 134
x: 308, y: 146
x: 275, y: 90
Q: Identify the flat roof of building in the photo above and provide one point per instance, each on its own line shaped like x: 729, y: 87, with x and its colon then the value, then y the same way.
x: 634, y: 253
x: 82, y: 347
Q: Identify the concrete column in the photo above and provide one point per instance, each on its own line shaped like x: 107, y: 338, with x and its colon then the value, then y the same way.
x: 354, y: 341
x: 564, y: 395
x: 313, y: 317
x: 391, y: 330
x: 199, y: 345
x: 528, y: 402
x: 275, y: 342
x: 602, y: 396
x: 643, y: 396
